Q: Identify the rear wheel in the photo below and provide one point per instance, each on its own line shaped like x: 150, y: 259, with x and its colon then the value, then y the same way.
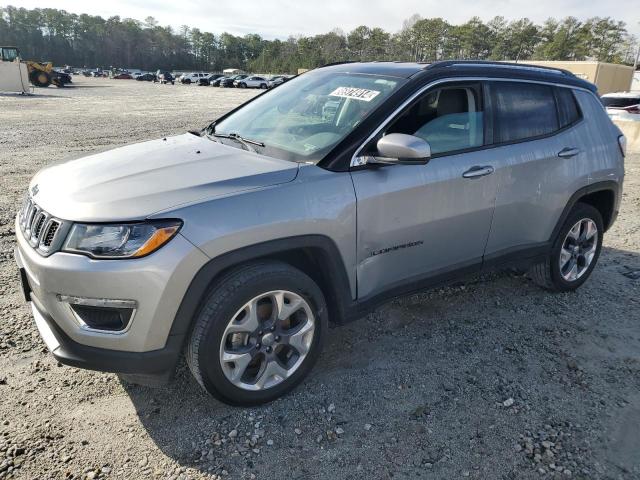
x: 574, y: 253
x: 259, y: 333
x: 242, y: 85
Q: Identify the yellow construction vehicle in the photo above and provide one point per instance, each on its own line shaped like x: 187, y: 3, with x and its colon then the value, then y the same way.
x: 42, y: 74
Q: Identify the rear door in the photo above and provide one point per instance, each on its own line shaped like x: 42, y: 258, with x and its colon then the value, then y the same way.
x: 540, y: 162
x: 421, y: 221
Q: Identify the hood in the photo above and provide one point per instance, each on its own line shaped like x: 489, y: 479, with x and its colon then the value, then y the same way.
x: 135, y: 181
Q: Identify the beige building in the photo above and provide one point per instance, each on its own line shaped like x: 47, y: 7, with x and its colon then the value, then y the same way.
x: 609, y: 77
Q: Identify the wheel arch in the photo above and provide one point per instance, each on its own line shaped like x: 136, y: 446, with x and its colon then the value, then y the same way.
x: 315, y: 255
x: 604, y: 196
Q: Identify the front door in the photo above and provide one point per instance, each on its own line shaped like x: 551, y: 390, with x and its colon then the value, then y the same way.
x: 419, y: 221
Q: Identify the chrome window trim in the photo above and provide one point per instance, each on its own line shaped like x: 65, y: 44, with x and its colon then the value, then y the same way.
x: 356, y: 162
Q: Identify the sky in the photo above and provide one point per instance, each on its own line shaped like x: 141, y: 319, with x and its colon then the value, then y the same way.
x: 281, y: 18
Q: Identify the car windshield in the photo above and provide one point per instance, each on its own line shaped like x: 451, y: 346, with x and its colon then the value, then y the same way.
x: 303, y: 119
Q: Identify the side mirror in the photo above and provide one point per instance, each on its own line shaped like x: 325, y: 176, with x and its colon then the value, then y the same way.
x: 402, y: 149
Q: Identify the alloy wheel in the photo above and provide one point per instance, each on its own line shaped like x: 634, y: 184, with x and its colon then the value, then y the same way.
x: 267, y: 340
x: 578, y: 249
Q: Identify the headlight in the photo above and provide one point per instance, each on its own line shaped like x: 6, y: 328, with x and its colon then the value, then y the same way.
x: 127, y: 240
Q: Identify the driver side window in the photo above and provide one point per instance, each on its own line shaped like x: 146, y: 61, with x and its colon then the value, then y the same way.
x: 449, y: 118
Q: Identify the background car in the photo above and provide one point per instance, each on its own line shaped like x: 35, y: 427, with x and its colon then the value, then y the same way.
x: 622, y: 105
x: 64, y: 77
x: 216, y: 82
x: 122, y: 76
x: 193, y: 77
x: 205, y: 82
x: 252, y: 82
x: 165, y: 77
x: 229, y: 81
x: 146, y: 77
x: 276, y: 80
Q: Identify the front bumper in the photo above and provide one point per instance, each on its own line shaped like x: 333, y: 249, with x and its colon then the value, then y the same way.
x: 159, y: 363
x: 157, y: 283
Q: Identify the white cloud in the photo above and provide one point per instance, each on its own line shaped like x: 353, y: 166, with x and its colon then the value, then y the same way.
x: 281, y: 18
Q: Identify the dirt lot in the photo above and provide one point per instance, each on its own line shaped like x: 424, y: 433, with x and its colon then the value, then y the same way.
x: 490, y: 379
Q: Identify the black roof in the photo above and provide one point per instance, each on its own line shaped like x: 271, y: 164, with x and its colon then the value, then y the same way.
x: 466, y: 68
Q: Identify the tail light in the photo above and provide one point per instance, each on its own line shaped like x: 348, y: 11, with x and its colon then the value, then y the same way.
x: 633, y: 109
x: 622, y: 142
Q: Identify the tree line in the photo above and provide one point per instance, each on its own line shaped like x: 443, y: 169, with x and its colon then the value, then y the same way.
x: 92, y: 41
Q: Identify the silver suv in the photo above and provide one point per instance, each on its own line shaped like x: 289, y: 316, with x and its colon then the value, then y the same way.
x: 314, y: 202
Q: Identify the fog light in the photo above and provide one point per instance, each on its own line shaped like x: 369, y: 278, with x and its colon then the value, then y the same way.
x: 101, y: 314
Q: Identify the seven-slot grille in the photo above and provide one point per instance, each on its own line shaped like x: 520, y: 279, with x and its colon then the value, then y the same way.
x: 38, y: 226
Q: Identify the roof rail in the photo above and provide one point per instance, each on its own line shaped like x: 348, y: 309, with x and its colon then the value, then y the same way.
x: 488, y: 63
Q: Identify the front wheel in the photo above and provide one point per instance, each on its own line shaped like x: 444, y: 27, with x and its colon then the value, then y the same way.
x: 258, y: 334
x: 574, y: 253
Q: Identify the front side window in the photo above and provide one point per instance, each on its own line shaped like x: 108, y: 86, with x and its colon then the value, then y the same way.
x: 522, y: 110
x: 450, y: 118
x: 306, y: 117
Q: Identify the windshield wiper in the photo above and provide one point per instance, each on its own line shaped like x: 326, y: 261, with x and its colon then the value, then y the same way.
x: 247, y: 142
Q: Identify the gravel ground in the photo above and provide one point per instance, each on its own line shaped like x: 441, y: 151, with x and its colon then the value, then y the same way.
x: 490, y: 379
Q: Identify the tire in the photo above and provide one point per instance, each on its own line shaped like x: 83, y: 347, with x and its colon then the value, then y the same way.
x: 254, y: 288
x: 549, y: 274
x: 263, y: 86
x: 187, y: 81
x: 40, y: 78
x: 242, y: 85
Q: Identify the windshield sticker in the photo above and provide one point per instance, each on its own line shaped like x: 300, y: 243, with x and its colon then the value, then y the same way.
x: 355, y: 93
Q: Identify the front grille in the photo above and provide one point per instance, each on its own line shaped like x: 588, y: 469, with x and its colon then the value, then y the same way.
x: 51, y: 233
x: 40, y: 229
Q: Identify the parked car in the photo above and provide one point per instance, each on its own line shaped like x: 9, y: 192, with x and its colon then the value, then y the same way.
x: 64, y: 77
x: 146, y: 77
x: 400, y: 184
x: 193, y: 77
x: 276, y: 80
x: 252, y: 82
x: 164, y: 77
x: 230, y: 81
x: 123, y: 76
x: 216, y: 82
x: 622, y: 105
x: 205, y: 82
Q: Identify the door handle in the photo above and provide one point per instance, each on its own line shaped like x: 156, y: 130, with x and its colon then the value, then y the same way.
x: 568, y: 152
x: 478, y: 171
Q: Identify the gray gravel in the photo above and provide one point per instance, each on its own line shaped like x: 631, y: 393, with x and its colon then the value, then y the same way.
x: 491, y: 379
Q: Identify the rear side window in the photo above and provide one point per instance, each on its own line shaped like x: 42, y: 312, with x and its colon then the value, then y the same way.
x: 568, y: 112
x: 522, y: 110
